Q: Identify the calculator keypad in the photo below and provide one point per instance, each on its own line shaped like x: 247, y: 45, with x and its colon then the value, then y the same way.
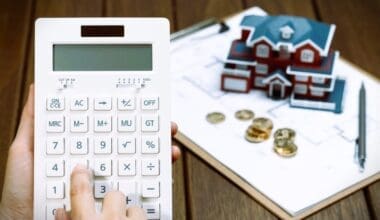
x: 103, y: 134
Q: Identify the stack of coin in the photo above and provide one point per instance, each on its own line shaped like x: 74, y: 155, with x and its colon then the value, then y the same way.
x: 284, y: 142
x: 259, y: 130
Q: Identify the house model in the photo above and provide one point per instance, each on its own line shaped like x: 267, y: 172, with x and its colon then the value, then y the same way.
x: 285, y: 56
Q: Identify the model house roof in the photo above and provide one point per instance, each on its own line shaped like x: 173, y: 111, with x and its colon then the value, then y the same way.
x: 292, y: 30
x: 240, y: 54
x: 277, y: 74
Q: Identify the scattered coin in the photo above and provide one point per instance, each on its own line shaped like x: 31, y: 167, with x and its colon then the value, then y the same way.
x: 284, y: 137
x: 244, y: 114
x: 286, y: 151
x: 255, y: 135
x: 263, y: 124
x: 215, y: 117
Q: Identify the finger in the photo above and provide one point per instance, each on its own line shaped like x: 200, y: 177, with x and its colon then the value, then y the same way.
x: 24, y: 137
x: 114, y: 205
x: 176, y: 153
x: 82, y: 200
x: 135, y: 212
x: 174, y: 128
x: 61, y: 214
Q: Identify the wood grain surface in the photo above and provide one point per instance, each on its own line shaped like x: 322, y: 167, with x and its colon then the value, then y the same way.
x: 200, y: 192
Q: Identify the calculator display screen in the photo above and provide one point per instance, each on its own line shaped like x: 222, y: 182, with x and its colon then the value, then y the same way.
x: 102, y: 57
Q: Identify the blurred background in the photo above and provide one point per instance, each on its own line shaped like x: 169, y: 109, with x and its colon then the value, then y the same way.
x: 200, y: 192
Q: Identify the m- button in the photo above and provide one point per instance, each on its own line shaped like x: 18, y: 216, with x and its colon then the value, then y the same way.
x: 149, y: 103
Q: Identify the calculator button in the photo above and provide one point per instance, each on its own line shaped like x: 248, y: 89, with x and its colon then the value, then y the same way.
x: 149, y: 103
x: 55, y: 145
x: 126, y: 145
x: 101, y: 188
x: 79, y: 145
x: 150, y: 189
x: 149, y: 123
x: 79, y: 124
x: 129, y: 188
x: 150, y: 144
x: 102, y: 145
x: 55, y: 168
x: 126, y: 123
x: 102, y: 124
x: 102, y: 167
x: 126, y: 103
x: 55, y: 124
x: 150, y: 167
x: 74, y: 162
x: 152, y: 210
x: 55, y: 104
x: 127, y: 167
x: 103, y: 104
x: 79, y: 104
x: 55, y: 190
x: 51, y: 210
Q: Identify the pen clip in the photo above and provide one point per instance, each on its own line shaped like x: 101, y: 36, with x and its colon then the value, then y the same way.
x: 356, y: 151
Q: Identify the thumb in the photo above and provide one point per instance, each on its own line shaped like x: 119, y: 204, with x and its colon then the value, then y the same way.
x: 24, y: 136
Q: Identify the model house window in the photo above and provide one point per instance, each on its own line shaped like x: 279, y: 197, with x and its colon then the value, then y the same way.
x: 318, y: 80
x: 262, y: 50
x: 259, y: 82
x: 262, y: 68
x: 301, y: 78
x: 241, y: 67
x: 317, y: 93
x: 307, y: 56
x: 300, y: 89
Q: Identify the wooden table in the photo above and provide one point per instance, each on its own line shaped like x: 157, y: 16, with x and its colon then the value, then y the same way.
x: 199, y: 191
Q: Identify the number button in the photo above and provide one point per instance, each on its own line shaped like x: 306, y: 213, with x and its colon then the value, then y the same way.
x: 79, y: 104
x: 150, y: 145
x: 55, y: 124
x: 126, y: 145
x: 79, y: 124
x: 101, y: 188
x: 150, y: 167
x: 152, y: 210
x: 102, y: 123
x: 150, y: 189
x: 103, y: 167
x: 55, y: 190
x: 51, y: 210
x: 127, y: 167
x: 102, y: 145
x: 55, y: 145
x: 150, y: 103
x: 149, y: 123
x: 79, y: 145
x: 130, y: 192
x: 126, y: 103
x: 126, y: 123
x: 103, y: 104
x: 55, y: 104
x: 55, y: 168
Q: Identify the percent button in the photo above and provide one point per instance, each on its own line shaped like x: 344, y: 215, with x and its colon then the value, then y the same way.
x: 150, y: 145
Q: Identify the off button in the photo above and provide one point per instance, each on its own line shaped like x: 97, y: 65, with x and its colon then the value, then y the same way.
x: 149, y: 103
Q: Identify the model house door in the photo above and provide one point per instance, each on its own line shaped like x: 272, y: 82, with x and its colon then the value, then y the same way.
x: 277, y: 91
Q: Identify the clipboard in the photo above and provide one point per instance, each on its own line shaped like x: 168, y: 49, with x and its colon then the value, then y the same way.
x: 243, y: 183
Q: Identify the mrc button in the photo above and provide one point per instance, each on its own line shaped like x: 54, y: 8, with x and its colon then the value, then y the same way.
x: 149, y: 103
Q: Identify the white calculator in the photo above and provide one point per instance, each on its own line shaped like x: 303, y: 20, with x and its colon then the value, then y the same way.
x: 102, y: 100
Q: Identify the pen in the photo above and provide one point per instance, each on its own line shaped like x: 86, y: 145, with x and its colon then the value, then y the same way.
x: 362, y: 128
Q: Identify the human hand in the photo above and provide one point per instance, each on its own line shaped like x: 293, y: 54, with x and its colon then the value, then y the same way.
x: 17, y: 197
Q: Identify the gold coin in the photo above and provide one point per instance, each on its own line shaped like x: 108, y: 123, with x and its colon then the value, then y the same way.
x: 284, y: 137
x: 263, y: 124
x: 244, y: 114
x: 215, y: 117
x: 287, y: 151
x: 256, y: 136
